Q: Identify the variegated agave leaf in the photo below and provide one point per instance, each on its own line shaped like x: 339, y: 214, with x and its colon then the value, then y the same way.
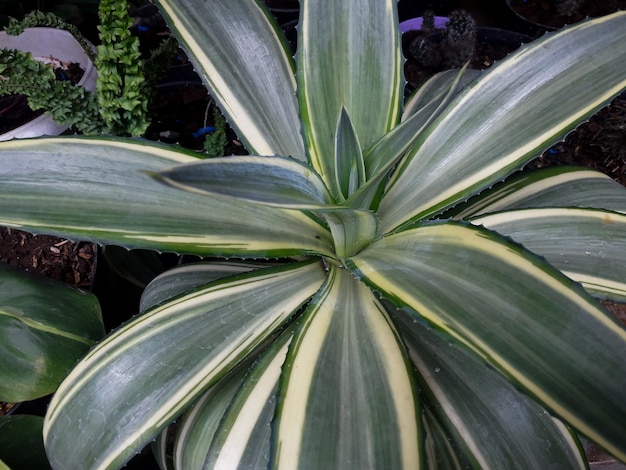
x: 352, y: 197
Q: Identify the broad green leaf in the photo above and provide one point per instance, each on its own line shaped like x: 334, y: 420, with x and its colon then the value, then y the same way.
x: 559, y: 186
x: 350, y: 169
x: 587, y: 245
x: 519, y: 107
x: 45, y: 328
x: 93, y: 189
x: 484, y: 415
x: 517, y: 312
x: 352, y: 230
x: 342, y: 59
x: 276, y: 181
x: 21, y: 445
x: 347, y: 398
x: 239, y: 52
x: 181, y: 279
x: 144, y: 374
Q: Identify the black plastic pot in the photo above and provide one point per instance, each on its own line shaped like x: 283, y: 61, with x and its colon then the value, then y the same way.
x: 502, y: 39
x: 492, y: 44
x: 284, y: 10
x: 543, y: 16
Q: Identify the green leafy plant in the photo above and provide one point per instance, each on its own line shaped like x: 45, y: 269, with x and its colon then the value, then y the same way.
x: 398, y: 296
x: 67, y: 103
x: 119, y: 106
x: 45, y: 328
x: 122, y: 89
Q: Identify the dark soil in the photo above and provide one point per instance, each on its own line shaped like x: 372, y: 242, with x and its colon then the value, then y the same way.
x: 49, y: 256
x: 545, y: 13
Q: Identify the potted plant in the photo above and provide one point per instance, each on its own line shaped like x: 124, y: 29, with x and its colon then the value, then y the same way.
x: 116, y: 103
x: 49, y: 45
x: 395, y: 309
x: 432, y: 44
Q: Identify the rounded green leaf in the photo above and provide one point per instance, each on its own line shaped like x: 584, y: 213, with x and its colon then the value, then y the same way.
x: 45, y: 327
x: 21, y: 443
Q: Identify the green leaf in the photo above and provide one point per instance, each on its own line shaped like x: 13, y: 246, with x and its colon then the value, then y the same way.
x: 485, y: 417
x: 239, y: 52
x: 238, y: 434
x: 437, y: 87
x: 559, y: 186
x: 144, y: 374
x: 439, y: 449
x: 196, y: 430
x: 21, y: 445
x: 275, y: 181
x: 587, y: 245
x: 45, y: 328
x: 350, y: 169
x: 382, y: 156
x: 342, y: 57
x: 161, y: 448
x: 93, y: 189
x: 538, y: 328
x: 521, y: 106
x: 430, y: 100
x: 181, y: 279
x: 347, y: 398
x: 352, y: 230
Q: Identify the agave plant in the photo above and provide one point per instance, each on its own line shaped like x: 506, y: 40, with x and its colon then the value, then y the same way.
x: 397, y: 295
